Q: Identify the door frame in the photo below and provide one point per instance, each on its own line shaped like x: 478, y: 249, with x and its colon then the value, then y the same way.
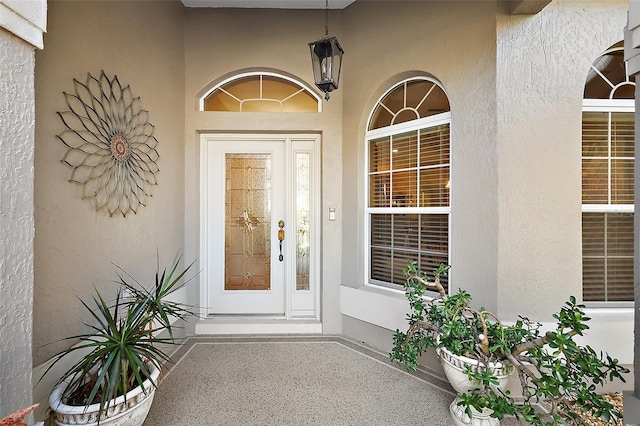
x: 270, y: 301
x: 299, y: 305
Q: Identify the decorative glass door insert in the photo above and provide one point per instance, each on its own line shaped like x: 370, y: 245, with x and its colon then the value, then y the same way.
x: 247, y: 221
x: 302, y: 217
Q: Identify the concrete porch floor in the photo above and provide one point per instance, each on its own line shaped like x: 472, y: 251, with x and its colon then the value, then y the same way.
x: 295, y: 380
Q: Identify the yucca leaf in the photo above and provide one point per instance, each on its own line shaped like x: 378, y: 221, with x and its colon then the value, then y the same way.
x: 121, y: 340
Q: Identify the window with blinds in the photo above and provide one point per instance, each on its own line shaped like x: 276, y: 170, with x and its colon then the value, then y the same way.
x: 607, y: 157
x: 607, y: 257
x: 397, y: 239
x: 408, y: 176
x: 608, y: 180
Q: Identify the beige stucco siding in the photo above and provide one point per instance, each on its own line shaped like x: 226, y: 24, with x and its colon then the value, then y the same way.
x: 141, y: 43
x: 224, y: 42
x: 515, y: 88
x: 16, y: 220
x: 455, y: 43
x: 542, y: 64
x: 515, y: 85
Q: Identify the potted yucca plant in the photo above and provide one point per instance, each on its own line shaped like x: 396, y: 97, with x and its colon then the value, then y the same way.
x: 114, y: 379
x: 478, y: 352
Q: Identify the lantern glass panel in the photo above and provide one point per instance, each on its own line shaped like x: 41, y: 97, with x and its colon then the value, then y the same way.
x: 326, y: 58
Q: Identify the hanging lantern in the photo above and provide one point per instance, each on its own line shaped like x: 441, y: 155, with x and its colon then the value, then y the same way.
x: 326, y: 59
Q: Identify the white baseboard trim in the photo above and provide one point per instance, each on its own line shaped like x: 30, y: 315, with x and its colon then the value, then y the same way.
x: 245, y: 326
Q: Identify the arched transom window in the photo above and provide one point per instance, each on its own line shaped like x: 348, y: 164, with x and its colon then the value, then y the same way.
x: 608, y: 180
x: 410, y: 100
x: 408, y: 169
x: 260, y: 92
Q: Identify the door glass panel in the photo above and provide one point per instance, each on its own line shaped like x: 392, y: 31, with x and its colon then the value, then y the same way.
x: 302, y: 218
x: 247, y: 221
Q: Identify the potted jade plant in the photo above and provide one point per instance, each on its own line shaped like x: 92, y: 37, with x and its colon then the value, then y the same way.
x: 478, y: 352
x: 114, y: 379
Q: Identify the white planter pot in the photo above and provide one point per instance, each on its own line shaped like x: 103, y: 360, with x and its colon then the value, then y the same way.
x: 129, y: 411
x: 454, y: 368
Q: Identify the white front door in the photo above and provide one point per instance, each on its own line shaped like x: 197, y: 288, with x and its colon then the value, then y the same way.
x: 253, y: 225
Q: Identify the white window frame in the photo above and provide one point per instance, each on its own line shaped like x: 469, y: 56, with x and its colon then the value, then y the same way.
x: 605, y: 106
x: 396, y: 129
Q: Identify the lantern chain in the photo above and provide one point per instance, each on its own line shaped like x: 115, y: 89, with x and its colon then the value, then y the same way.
x: 326, y: 19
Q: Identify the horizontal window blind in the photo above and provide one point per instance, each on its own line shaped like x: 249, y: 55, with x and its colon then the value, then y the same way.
x: 410, y: 169
x: 397, y: 239
x: 607, y: 157
x: 434, y: 146
x: 607, y: 265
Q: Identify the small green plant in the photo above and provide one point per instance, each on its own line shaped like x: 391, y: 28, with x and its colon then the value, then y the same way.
x: 555, y: 372
x: 123, y: 342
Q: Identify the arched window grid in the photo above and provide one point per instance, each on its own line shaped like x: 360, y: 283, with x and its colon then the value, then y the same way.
x: 413, y: 110
x: 408, y: 173
x: 407, y: 105
x: 425, y: 96
x: 620, y: 85
x: 610, y: 57
x: 221, y: 87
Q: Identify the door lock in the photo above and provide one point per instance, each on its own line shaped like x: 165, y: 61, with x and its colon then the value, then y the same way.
x: 281, y: 238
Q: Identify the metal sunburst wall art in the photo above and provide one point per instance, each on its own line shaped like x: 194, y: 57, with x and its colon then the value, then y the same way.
x: 110, y: 144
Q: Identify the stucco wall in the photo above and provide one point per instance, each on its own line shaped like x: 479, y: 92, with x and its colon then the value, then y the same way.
x: 515, y: 84
x: 542, y: 64
x: 222, y: 42
x: 75, y: 246
x: 454, y: 42
x: 16, y: 220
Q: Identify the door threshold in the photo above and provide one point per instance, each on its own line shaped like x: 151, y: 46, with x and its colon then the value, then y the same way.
x: 256, y: 325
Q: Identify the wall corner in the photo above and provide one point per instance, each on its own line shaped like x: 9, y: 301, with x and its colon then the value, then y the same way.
x: 17, y: 121
x: 26, y: 19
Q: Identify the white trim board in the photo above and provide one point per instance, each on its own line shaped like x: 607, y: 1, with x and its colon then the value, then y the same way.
x: 246, y: 327
x: 27, y: 20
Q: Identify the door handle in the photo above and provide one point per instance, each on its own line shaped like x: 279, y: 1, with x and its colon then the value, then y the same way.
x: 281, y: 238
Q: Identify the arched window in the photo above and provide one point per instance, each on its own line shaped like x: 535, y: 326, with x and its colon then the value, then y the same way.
x: 608, y: 180
x: 260, y: 92
x: 408, y: 169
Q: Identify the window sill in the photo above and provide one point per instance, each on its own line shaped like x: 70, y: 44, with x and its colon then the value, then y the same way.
x: 384, y: 307
x: 610, y: 329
